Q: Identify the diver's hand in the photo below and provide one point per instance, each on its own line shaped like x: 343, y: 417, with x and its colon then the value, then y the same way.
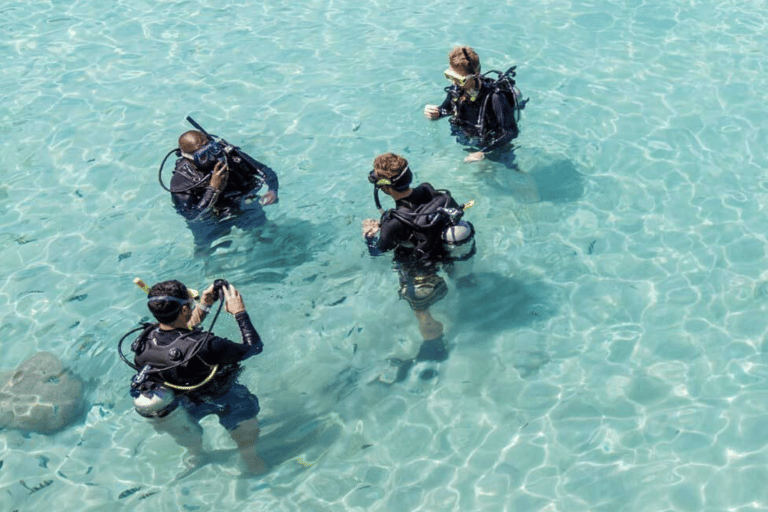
x: 208, y: 297
x: 201, y: 310
x: 268, y: 198
x: 220, y: 176
x: 235, y: 303
x: 370, y: 228
x: 475, y: 157
x: 432, y: 112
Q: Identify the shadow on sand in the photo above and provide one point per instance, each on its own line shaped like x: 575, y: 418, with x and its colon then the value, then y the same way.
x: 498, y: 302
x: 556, y: 182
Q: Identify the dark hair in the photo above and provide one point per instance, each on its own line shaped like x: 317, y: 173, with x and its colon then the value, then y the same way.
x: 166, y: 311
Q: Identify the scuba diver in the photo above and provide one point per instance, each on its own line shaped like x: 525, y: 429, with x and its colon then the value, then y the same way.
x: 484, y: 112
x: 426, y: 232
x: 185, y: 373
x: 214, y: 185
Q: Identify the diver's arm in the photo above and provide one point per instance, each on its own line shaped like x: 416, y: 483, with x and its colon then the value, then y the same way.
x: 218, y: 182
x: 188, y: 201
x: 391, y: 232
x: 236, y: 307
x: 447, y: 107
x: 373, y: 246
x: 248, y: 333
x: 201, y: 310
x: 270, y: 178
x: 264, y: 171
x: 382, y: 236
x: 224, y: 351
x: 371, y: 236
x: 505, y: 116
x: 191, y: 209
x: 228, y: 351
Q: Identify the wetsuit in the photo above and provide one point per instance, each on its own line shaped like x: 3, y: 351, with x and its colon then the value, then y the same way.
x: 424, y: 249
x: 417, y: 253
x: 222, y: 395
x: 210, y: 221
x: 498, y: 126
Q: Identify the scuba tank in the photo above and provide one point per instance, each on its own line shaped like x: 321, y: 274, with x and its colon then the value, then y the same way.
x: 155, y: 403
x: 458, y: 240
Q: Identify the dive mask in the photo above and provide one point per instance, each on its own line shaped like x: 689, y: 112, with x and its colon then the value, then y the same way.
x: 207, y: 155
x: 399, y: 182
x: 456, y: 78
x: 181, y: 302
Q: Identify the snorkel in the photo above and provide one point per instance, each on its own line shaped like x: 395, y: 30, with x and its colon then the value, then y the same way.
x: 473, y: 73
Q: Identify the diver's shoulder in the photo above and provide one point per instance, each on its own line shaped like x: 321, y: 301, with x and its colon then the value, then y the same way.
x: 425, y: 188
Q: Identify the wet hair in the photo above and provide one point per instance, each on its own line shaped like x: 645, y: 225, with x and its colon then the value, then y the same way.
x: 465, y: 60
x: 389, y: 165
x: 191, y: 141
x: 166, y: 311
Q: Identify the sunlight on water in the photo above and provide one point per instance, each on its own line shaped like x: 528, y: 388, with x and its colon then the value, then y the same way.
x: 610, y: 357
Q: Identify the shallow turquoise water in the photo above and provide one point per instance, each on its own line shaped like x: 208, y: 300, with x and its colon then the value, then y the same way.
x: 612, y: 357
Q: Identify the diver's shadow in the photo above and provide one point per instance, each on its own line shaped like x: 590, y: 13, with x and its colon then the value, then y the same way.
x: 267, y: 254
x: 287, y: 437
x: 556, y: 182
x: 496, y: 302
x: 504, y: 157
x: 559, y: 182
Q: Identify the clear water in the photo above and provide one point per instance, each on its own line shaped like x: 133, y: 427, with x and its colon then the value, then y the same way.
x: 612, y: 356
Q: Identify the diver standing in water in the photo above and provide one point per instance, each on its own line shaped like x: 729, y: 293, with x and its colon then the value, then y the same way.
x: 426, y: 232
x: 214, y: 184
x: 484, y: 112
x: 185, y: 374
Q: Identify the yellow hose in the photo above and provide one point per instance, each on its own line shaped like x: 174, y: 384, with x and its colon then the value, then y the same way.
x: 188, y: 388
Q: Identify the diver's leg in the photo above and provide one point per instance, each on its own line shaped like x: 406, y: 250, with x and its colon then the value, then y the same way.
x: 422, y: 289
x: 433, y: 347
x: 185, y: 431
x: 245, y: 436
x: 241, y: 407
x: 430, y: 328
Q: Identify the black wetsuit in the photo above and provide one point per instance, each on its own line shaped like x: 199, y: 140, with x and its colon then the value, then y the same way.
x: 208, y: 221
x: 412, y: 247
x: 155, y: 345
x: 498, y: 126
